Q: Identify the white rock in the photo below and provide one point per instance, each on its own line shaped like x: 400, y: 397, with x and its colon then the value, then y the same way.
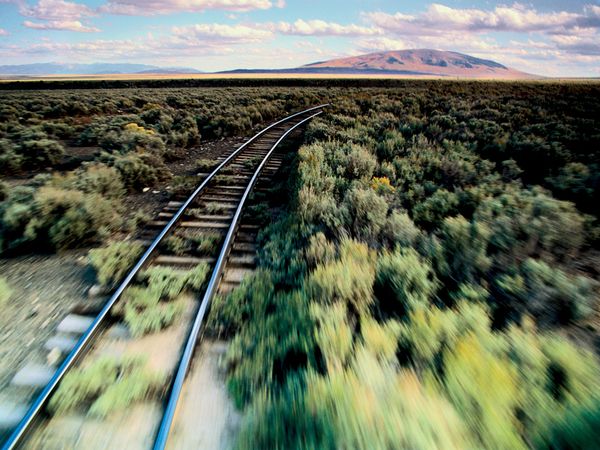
x: 97, y: 290
x: 75, y: 323
x: 146, y: 189
x: 33, y: 375
x: 53, y: 356
x: 64, y: 343
x: 10, y: 415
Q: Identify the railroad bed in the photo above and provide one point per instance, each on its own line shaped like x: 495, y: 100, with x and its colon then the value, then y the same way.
x: 215, y: 208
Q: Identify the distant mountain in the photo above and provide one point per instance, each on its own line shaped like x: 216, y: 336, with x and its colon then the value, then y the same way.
x: 424, y: 62
x: 420, y: 62
x: 88, y: 69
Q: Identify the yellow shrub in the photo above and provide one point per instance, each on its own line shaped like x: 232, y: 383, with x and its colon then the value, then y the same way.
x: 135, y: 128
x: 381, y: 185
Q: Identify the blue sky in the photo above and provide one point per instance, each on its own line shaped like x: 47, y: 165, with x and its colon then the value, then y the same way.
x: 552, y: 37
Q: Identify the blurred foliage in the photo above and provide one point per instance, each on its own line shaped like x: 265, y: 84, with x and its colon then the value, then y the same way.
x: 440, y: 244
x: 416, y: 291
x: 108, y: 384
x: 5, y: 291
x: 157, y: 301
x: 114, y: 261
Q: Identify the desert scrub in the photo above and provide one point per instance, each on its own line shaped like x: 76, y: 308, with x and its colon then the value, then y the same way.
x: 176, y: 245
x: 113, y: 261
x: 108, y: 384
x: 205, y: 164
x: 183, y: 184
x: 207, y: 243
x: 215, y: 208
x: 158, y: 302
x: 56, y: 218
x: 199, y: 243
x: 5, y: 291
x: 252, y: 162
x: 3, y: 191
x: 224, y: 179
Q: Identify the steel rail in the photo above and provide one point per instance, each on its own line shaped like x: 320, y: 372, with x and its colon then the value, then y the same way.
x: 165, y: 426
x: 41, y: 400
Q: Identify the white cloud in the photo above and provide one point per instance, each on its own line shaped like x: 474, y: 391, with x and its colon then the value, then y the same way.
x: 562, y: 38
x: 3, y: 32
x: 154, y: 7
x: 439, y: 18
x: 183, y: 42
x: 222, y: 33
x: 323, y: 28
x: 68, y: 25
x: 58, y: 15
x: 56, y: 10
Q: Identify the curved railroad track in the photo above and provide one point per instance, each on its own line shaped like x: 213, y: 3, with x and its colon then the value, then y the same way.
x: 229, y: 185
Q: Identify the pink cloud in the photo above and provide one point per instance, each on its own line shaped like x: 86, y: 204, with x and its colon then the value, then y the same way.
x: 68, y: 25
x: 223, y: 33
x: 153, y: 7
x: 438, y: 19
x: 56, y: 10
x: 58, y: 15
x: 323, y: 28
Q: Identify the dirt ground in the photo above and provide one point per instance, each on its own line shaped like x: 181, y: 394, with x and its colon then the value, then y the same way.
x: 206, y: 417
x: 45, y: 289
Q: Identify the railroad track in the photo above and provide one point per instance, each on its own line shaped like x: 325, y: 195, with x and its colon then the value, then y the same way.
x: 228, y: 186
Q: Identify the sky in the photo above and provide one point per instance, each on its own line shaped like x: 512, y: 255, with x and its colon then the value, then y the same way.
x: 546, y: 37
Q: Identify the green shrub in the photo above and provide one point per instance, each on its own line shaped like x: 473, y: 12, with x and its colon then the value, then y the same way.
x: 365, y: 213
x: 138, y: 170
x: 319, y: 250
x: 70, y: 218
x: 157, y: 304
x: 114, y: 261
x: 228, y: 313
x: 548, y: 293
x: 275, y: 342
x: 215, y: 208
x: 434, y: 209
x: 10, y: 160
x: 403, y: 282
x: 3, y: 191
x: 400, y: 230
x: 464, y: 257
x: 144, y: 310
x: 574, y: 428
x: 99, y: 179
x: 205, y: 164
x: 348, y: 279
x: 184, y: 185
x: 529, y: 223
x: 56, y: 218
x: 330, y: 413
x: 105, y: 386
x: 176, y: 245
x: 40, y: 153
x: 207, y: 243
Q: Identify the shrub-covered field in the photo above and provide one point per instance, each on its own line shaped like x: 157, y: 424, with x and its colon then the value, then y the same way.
x: 76, y: 154
x: 434, y: 282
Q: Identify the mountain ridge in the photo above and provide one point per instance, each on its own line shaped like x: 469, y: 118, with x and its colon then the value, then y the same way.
x: 409, y: 63
x: 53, y: 68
